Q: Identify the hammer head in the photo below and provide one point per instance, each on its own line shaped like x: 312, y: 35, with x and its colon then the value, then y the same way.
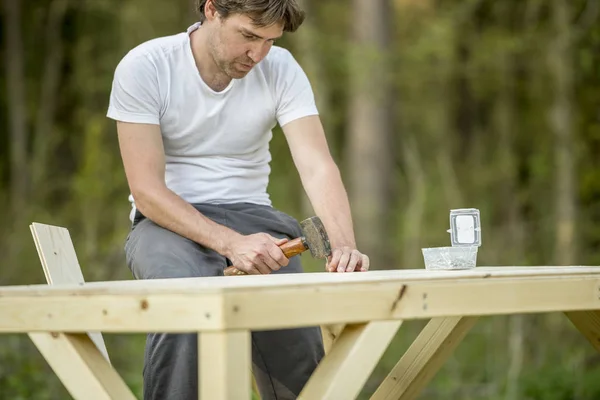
x: 315, y: 237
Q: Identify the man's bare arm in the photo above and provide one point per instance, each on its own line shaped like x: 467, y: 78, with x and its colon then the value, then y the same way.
x: 143, y: 157
x: 321, y: 179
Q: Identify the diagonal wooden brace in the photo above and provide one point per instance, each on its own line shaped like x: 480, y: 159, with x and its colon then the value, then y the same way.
x: 344, y: 371
x: 588, y: 323
x: 81, y: 366
x: 424, y: 357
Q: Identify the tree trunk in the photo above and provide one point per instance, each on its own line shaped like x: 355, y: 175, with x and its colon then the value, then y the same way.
x: 561, y: 119
x: 17, y: 113
x: 367, y: 158
x: 48, y: 97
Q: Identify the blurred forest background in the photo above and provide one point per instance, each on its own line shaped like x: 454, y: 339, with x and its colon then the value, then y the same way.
x: 429, y: 105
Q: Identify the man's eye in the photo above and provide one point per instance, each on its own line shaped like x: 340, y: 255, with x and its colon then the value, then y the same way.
x: 250, y: 37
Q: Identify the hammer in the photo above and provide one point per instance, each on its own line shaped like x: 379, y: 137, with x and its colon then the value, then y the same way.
x: 314, y: 238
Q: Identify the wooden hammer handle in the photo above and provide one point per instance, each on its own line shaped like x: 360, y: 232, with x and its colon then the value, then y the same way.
x: 290, y: 249
x: 293, y: 247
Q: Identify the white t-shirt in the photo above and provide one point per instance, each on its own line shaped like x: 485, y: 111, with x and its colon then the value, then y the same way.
x: 216, y: 143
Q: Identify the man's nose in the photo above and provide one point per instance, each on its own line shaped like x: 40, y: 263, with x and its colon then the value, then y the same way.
x: 258, y: 51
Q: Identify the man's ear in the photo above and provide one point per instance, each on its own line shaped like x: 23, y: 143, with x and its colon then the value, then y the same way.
x: 210, y: 12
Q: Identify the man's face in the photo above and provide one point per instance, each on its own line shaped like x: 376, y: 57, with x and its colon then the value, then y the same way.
x: 237, y: 45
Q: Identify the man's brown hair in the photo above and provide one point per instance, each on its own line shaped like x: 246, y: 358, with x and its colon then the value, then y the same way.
x: 262, y: 12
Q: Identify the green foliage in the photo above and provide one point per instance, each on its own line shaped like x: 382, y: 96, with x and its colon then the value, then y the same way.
x: 557, y: 384
x: 24, y: 374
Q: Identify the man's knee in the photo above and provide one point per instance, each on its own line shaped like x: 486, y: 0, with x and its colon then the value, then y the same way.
x: 154, y: 252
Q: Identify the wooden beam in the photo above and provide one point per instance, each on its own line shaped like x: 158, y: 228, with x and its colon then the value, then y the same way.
x: 110, y: 308
x: 110, y: 313
x: 224, y: 365
x: 344, y: 371
x: 81, y: 367
x: 424, y: 358
x: 317, y: 279
x: 588, y: 323
x: 354, y: 303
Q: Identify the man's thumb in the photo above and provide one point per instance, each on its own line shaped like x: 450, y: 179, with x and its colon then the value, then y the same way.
x: 278, y: 241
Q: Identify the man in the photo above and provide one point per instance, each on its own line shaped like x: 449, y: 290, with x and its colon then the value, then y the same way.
x: 194, y: 116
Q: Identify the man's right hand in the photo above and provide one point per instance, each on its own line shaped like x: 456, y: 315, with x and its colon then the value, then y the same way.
x: 258, y: 253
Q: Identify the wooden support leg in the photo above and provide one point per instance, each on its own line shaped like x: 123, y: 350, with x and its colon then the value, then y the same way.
x: 588, y: 323
x: 225, y: 365
x: 344, y: 371
x: 81, y: 366
x: 424, y: 358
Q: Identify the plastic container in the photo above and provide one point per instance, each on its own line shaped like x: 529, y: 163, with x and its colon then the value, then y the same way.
x: 465, y: 237
x: 465, y: 227
x: 450, y: 258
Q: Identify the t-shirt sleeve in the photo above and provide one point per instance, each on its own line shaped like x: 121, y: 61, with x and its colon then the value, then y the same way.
x: 134, y: 94
x: 294, y: 95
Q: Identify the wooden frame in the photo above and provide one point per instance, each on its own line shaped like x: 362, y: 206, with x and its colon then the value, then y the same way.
x: 222, y: 303
x: 80, y: 360
x: 369, y: 306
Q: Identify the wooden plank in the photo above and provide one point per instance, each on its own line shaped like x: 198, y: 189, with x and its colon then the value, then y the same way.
x: 110, y: 313
x: 227, y: 285
x: 82, y: 368
x: 56, y: 253
x: 318, y: 279
x: 60, y: 264
x: 398, y: 275
x: 224, y: 365
x: 415, y: 300
x: 424, y: 358
x: 76, y: 309
x: 344, y: 371
x: 588, y: 323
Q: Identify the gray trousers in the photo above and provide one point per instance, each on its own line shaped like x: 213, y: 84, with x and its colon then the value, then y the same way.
x: 282, y: 360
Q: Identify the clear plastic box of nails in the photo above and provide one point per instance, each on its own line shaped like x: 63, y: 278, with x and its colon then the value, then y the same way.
x: 465, y: 239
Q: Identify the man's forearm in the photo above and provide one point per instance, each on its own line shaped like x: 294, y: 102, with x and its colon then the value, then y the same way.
x: 329, y: 199
x: 170, y: 211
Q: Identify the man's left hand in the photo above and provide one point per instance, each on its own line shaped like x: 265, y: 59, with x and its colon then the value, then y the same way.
x: 347, y: 259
